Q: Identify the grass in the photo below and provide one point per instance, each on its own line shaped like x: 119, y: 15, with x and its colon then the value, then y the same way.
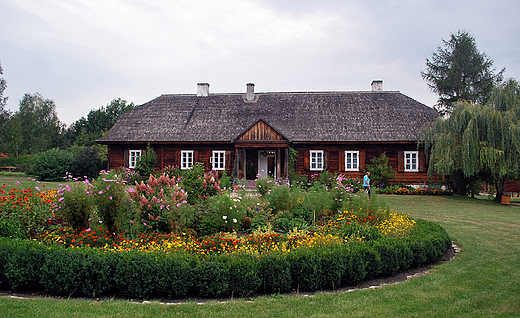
x: 482, y: 281
x: 21, y: 181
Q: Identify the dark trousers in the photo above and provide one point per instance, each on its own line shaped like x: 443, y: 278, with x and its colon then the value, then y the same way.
x: 367, y: 190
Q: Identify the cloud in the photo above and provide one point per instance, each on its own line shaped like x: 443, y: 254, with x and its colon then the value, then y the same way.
x: 83, y: 54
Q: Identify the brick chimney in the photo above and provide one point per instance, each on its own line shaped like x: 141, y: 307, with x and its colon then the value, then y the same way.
x: 250, y: 93
x: 377, y: 85
x: 202, y: 89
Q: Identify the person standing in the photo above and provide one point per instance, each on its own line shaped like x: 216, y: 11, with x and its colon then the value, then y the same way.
x: 366, y: 183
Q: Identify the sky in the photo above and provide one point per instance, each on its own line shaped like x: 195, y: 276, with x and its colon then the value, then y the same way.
x: 83, y: 54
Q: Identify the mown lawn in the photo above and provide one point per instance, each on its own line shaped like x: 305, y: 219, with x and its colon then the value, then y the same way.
x: 482, y: 281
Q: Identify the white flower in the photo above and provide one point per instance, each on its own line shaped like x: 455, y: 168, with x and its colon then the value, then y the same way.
x: 235, y: 220
x: 224, y: 217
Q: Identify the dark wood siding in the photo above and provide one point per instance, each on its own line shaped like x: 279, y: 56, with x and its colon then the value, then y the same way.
x: 169, y: 154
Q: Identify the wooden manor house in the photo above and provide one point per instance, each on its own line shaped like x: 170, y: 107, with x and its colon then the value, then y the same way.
x: 249, y: 134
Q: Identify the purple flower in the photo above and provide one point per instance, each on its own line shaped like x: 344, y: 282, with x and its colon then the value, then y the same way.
x: 100, y: 192
x: 110, y: 197
x: 100, y: 221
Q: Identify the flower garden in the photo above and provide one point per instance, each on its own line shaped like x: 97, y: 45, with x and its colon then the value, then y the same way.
x: 182, y: 235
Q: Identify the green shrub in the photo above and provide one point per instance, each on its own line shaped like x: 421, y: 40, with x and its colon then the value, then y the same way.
x: 225, y: 181
x: 145, y: 166
x: 176, y: 275
x: 306, y: 269
x: 87, y: 163
x: 213, y: 277
x: 51, y: 165
x: 134, y: 274
x: 30, y: 266
x: 275, y: 272
x: 62, y: 272
x: 380, y: 171
x: 264, y: 184
x: 23, y: 266
x: 110, y: 198
x: 76, y: 204
x: 244, y: 273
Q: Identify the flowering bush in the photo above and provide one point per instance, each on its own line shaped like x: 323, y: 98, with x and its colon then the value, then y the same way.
x: 160, y: 202
x: 109, y: 195
x: 75, y: 204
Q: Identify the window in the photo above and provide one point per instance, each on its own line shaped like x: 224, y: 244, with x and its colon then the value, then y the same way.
x: 186, y: 159
x: 411, y: 161
x: 133, y: 158
x: 218, y: 160
x: 351, y: 160
x: 316, y: 160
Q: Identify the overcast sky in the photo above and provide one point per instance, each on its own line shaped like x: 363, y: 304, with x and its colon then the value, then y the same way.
x: 83, y: 54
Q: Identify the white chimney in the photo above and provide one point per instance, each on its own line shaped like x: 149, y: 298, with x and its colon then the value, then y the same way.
x: 202, y: 89
x: 377, y: 85
x: 250, y: 93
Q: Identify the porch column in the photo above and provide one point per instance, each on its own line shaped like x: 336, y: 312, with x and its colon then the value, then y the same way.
x: 237, y: 163
x: 286, y: 172
x: 279, y: 173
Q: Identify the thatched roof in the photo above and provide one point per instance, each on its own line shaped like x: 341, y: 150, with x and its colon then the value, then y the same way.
x: 314, y: 116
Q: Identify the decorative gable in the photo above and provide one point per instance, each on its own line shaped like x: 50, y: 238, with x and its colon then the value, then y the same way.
x: 260, y: 132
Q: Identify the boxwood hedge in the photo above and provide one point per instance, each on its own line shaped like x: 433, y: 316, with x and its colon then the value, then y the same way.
x: 30, y: 266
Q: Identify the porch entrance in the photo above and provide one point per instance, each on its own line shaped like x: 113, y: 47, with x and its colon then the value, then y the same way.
x: 262, y: 163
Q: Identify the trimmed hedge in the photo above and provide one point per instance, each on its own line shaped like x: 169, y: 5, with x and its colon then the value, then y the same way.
x: 30, y: 266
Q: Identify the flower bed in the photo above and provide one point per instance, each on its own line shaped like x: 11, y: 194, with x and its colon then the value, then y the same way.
x: 416, y: 191
x: 30, y: 265
x: 105, y: 238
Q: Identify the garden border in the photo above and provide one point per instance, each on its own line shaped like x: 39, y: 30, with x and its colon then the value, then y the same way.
x: 30, y: 266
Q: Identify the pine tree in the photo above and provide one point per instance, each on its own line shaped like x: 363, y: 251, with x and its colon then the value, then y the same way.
x: 458, y: 71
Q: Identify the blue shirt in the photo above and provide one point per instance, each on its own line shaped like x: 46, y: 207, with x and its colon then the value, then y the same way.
x: 366, y: 181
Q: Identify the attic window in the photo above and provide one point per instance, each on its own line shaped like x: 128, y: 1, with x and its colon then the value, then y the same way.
x: 186, y: 159
x: 133, y: 158
x: 316, y: 160
x: 411, y: 161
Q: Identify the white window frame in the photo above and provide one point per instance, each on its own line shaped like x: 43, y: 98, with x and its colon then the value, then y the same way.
x: 133, y: 158
x: 186, y: 159
x: 316, y: 160
x: 218, y: 160
x: 354, y: 155
x: 411, y: 161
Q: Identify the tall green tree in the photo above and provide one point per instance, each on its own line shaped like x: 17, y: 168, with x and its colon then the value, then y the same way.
x: 479, y: 141
x: 5, y: 115
x: 86, y: 130
x: 458, y: 71
x: 35, y: 126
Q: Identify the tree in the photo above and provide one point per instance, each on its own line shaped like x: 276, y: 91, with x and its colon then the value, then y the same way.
x: 5, y: 115
x: 85, y: 131
x: 380, y: 171
x: 458, y: 71
x: 479, y: 141
x: 146, y: 163
x: 35, y: 126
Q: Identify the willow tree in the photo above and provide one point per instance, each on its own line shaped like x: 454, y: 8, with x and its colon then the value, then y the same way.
x: 479, y: 141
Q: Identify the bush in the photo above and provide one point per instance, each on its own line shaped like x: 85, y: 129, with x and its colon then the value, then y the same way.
x: 109, y: 197
x: 146, y: 163
x: 51, y: 165
x: 213, y: 277
x: 76, y: 205
x: 86, y: 163
x: 380, y: 171
x: 29, y: 265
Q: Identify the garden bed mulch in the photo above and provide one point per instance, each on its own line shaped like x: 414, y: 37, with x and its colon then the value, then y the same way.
x: 368, y: 284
